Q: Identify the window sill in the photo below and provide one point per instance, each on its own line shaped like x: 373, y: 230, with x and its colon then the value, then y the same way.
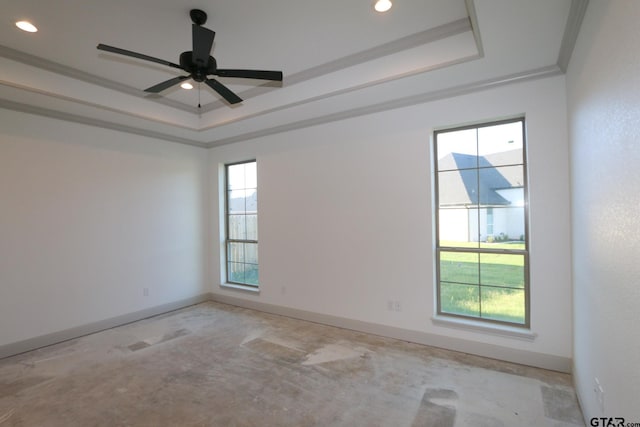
x: 479, y: 326
x: 235, y: 286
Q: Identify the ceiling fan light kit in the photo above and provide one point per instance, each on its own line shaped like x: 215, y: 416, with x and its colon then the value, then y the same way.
x: 382, y: 5
x: 199, y: 63
x: 27, y: 26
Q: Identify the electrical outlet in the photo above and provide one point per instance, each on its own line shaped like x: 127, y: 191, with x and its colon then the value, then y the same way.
x: 396, y: 306
x: 145, y: 292
x: 390, y: 305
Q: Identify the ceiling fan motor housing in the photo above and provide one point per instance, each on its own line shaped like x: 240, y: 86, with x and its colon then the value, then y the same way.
x: 198, y: 73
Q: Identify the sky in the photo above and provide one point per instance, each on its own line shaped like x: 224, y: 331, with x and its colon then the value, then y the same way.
x: 482, y: 141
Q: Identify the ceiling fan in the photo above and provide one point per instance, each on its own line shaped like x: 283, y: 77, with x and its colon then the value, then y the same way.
x: 199, y: 63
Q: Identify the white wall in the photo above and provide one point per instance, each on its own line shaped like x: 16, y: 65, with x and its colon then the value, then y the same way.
x: 603, y: 84
x: 88, y: 218
x: 345, y: 214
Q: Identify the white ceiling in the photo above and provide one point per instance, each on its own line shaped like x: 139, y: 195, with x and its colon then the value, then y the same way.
x: 340, y: 58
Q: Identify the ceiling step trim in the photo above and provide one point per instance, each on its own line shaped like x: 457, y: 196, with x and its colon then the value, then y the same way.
x: 76, y: 101
x: 45, y: 64
x: 343, y: 91
x: 431, y: 35
x: 571, y: 31
x: 539, y: 73
x: 75, y: 118
x: 473, y: 18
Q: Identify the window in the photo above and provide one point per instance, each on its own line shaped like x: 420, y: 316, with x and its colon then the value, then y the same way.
x: 242, y: 223
x: 481, y: 222
x: 489, y: 223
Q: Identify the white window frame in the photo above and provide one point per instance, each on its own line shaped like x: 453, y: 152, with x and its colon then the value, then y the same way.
x: 480, y: 250
x: 227, y: 240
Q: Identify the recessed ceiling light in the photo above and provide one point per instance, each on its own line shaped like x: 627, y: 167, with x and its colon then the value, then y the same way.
x: 26, y: 26
x: 383, y: 5
x: 186, y: 85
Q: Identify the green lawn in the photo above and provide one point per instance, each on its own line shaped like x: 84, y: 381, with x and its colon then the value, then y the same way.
x: 484, y: 285
x: 515, y: 245
x: 243, y: 273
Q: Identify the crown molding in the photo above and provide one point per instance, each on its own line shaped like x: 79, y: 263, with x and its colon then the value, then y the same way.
x: 539, y: 73
x: 571, y: 31
x: 473, y: 18
x: 414, y: 40
x: 45, y: 64
x: 75, y: 118
x: 344, y: 91
x: 575, y: 17
x: 83, y: 103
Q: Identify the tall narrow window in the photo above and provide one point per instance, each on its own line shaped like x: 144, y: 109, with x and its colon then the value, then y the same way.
x: 242, y: 223
x: 481, y: 216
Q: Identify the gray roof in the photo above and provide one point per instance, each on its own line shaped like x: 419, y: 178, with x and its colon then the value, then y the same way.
x: 459, y: 175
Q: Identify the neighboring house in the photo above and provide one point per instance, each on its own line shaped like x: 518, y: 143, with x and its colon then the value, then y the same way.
x: 481, y: 197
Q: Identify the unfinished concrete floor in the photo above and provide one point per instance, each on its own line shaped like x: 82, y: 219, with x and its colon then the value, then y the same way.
x: 218, y: 365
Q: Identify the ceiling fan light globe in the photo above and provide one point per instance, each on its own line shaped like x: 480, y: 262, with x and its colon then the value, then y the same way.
x: 26, y: 26
x: 383, y: 5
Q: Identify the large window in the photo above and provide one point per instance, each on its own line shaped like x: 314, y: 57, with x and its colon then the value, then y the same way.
x: 481, y: 222
x: 242, y: 223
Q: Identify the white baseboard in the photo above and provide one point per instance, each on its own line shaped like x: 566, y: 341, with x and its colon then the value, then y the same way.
x: 49, y: 339
x: 522, y: 357
x: 540, y: 360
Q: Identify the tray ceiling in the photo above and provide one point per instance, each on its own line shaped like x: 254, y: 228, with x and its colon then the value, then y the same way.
x: 339, y: 59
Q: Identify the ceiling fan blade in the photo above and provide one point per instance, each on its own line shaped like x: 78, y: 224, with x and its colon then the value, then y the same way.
x: 136, y: 55
x: 166, y: 84
x: 231, y: 97
x: 251, y: 74
x: 202, y: 43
